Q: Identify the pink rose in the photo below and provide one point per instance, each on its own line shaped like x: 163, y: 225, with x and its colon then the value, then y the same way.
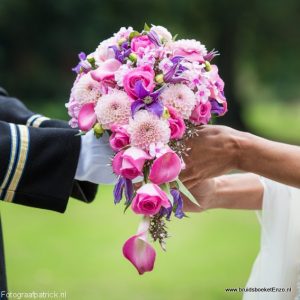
x: 119, y: 138
x: 144, y: 74
x: 130, y: 163
x: 176, y: 124
x: 149, y: 199
x: 140, y: 43
x: 201, y: 113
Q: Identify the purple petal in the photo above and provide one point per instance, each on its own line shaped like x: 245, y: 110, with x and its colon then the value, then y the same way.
x: 178, y: 203
x: 216, y: 107
x: 140, y: 90
x: 128, y: 191
x: 210, y: 55
x: 118, y: 190
x: 136, y: 105
x: 154, y: 38
x: 82, y: 56
x: 156, y: 108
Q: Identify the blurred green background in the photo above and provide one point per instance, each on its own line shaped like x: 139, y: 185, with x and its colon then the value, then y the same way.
x: 80, y: 252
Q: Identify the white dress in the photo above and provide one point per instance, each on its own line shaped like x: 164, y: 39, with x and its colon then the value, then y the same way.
x: 278, y: 262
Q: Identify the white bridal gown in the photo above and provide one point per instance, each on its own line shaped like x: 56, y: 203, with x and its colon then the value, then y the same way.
x: 278, y: 262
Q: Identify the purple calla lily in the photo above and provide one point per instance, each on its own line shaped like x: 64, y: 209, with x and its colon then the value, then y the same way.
x: 147, y: 100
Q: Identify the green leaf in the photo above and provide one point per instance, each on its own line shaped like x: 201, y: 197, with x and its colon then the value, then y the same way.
x: 80, y: 133
x: 186, y: 192
x: 133, y: 34
x: 175, y: 37
x: 166, y: 188
x: 146, y: 27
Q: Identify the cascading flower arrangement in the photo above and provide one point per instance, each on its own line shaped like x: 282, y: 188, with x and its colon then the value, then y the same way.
x: 150, y: 92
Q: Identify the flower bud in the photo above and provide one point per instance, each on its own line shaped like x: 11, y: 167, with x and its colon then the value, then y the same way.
x: 207, y: 66
x: 98, y: 130
x: 166, y: 114
x: 121, y: 41
x: 133, y: 57
x: 159, y: 78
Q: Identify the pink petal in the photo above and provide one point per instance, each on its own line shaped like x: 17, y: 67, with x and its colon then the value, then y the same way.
x: 87, y: 117
x: 138, y: 251
x: 106, y: 70
x: 166, y: 168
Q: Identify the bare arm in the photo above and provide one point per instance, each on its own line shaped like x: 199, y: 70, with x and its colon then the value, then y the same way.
x: 238, y: 191
x: 220, y: 149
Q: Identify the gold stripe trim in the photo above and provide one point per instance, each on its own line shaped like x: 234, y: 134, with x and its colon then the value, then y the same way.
x: 24, y: 143
x: 13, y: 151
x: 32, y: 118
x: 39, y: 121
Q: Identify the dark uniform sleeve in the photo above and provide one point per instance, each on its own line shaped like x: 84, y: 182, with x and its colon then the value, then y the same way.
x: 14, y: 111
x: 37, y: 166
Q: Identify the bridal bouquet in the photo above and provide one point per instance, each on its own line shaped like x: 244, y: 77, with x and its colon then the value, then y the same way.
x: 149, y: 92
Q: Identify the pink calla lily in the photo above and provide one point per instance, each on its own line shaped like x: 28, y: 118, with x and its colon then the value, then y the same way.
x: 106, y: 70
x: 138, y: 251
x: 87, y: 117
x: 165, y: 168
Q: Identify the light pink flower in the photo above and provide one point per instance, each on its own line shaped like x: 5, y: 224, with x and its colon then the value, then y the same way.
x: 158, y: 149
x: 201, y: 114
x: 73, y: 110
x: 119, y: 138
x: 103, y: 52
x: 165, y: 168
x: 145, y: 74
x: 191, y: 49
x: 138, y: 251
x: 176, y: 124
x: 86, y: 89
x: 123, y: 33
x: 113, y: 109
x: 180, y: 97
x: 146, y: 128
x: 163, y: 33
x: 141, y: 44
x: 87, y: 117
x: 106, y: 70
x: 149, y: 199
x: 130, y: 163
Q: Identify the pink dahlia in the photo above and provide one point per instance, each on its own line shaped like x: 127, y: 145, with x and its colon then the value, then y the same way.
x: 146, y: 129
x: 85, y: 90
x: 113, y: 109
x: 181, y: 98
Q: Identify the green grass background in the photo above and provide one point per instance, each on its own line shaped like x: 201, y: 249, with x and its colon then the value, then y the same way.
x: 80, y: 251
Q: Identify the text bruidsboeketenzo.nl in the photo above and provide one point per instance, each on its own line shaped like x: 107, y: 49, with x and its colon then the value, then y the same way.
x: 259, y: 290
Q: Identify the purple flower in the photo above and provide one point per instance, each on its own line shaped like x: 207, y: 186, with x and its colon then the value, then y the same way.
x: 125, y: 185
x: 83, y: 65
x: 217, y: 108
x: 210, y: 55
x: 154, y: 38
x: 121, y: 53
x: 175, y: 72
x: 147, y: 100
x: 178, y: 204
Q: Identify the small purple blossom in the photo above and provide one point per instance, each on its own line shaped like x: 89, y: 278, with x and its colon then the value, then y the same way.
x: 211, y: 55
x: 83, y: 65
x: 217, y: 108
x: 122, y: 52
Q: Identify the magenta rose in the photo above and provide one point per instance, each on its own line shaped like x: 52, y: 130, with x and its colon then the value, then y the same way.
x: 145, y: 74
x: 201, y: 113
x: 130, y: 163
x: 119, y: 138
x: 176, y: 124
x: 149, y: 199
x: 140, y: 43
